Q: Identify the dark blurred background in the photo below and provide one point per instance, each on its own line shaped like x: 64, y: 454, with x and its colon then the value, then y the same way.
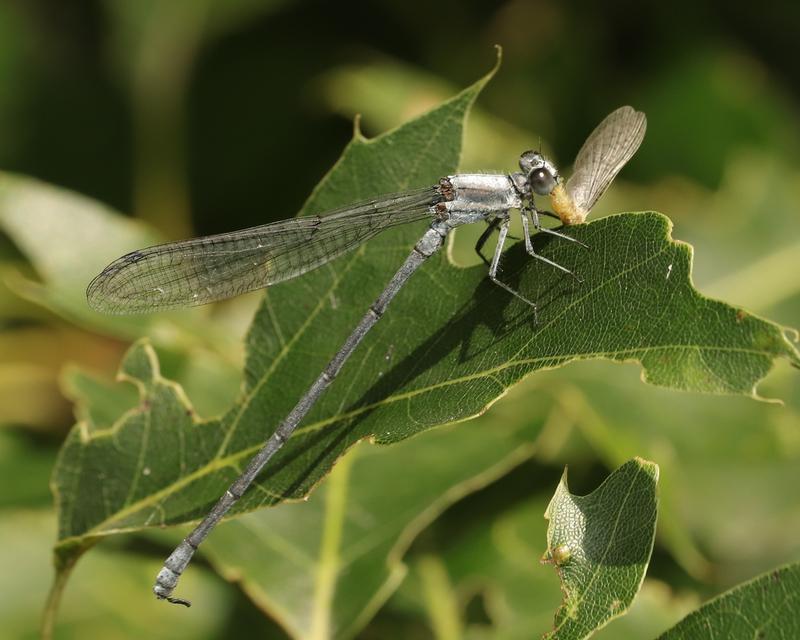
x: 198, y: 116
x: 114, y: 99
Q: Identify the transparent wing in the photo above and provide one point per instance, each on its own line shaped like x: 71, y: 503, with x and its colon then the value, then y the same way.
x: 202, y: 270
x: 605, y: 152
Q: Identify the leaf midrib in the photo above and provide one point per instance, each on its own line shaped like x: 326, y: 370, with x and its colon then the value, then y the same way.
x: 233, y: 459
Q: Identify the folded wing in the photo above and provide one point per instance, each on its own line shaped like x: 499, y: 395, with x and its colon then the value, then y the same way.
x: 605, y: 152
x: 201, y: 270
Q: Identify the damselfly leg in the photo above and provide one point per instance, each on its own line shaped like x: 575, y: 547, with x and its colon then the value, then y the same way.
x: 490, y: 228
x: 533, y: 214
x: 495, y: 266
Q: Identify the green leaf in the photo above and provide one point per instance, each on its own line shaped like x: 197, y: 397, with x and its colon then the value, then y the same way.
x: 108, y: 591
x: 767, y: 607
x: 98, y: 404
x: 601, y: 545
x: 342, y: 550
x: 47, y: 224
x: 450, y: 345
x: 497, y: 558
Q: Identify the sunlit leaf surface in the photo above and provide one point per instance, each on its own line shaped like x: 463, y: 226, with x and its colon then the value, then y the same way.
x: 767, y: 607
x: 600, y: 545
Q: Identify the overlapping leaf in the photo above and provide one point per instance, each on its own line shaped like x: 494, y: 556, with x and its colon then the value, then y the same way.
x: 601, y: 545
x: 767, y: 607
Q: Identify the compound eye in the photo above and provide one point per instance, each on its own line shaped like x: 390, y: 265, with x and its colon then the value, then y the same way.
x: 542, y: 181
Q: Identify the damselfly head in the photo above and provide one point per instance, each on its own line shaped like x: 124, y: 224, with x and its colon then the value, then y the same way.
x: 541, y: 174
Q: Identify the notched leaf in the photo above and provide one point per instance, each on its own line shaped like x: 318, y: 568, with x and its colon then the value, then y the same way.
x: 98, y: 403
x: 144, y: 450
x: 456, y: 340
x: 600, y: 545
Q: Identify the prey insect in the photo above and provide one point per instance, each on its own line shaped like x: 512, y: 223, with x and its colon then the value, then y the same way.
x: 203, y: 270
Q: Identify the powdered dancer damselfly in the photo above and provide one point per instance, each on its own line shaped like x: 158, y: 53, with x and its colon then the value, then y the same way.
x: 211, y: 268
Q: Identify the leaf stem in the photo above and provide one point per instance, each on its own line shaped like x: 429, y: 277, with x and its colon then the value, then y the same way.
x: 330, y: 547
x: 64, y: 564
x: 440, y: 601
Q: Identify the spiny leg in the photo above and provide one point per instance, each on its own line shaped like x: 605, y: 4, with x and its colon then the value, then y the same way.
x: 532, y: 253
x: 491, y: 226
x: 501, y: 239
x: 549, y: 214
x: 533, y: 212
x: 484, y: 237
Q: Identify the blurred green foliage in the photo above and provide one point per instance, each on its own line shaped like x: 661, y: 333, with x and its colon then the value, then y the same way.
x: 209, y: 116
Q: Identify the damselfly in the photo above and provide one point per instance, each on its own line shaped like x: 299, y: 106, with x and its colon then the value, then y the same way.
x: 202, y: 270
